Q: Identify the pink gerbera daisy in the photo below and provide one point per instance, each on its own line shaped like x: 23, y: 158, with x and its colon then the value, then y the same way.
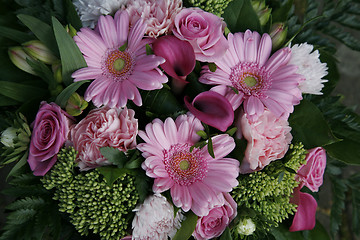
x: 194, y: 178
x: 117, y: 61
x: 247, y: 74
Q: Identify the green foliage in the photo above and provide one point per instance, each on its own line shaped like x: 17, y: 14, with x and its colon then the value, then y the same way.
x: 187, y: 227
x: 93, y: 206
x: 216, y: 7
x: 267, y: 198
x: 33, y: 215
x: 240, y: 16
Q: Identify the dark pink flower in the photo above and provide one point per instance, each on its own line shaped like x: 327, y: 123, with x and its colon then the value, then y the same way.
x: 204, y: 31
x: 103, y: 127
x: 312, y: 173
x: 179, y: 56
x: 212, y: 108
x: 219, y: 217
x: 304, y: 218
x: 50, y: 131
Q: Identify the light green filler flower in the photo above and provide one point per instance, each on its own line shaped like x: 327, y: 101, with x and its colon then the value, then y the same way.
x: 92, y: 204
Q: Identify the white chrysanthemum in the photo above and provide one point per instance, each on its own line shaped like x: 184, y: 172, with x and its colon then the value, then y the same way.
x: 154, y: 219
x: 246, y: 226
x: 159, y: 15
x: 310, y: 67
x: 91, y: 10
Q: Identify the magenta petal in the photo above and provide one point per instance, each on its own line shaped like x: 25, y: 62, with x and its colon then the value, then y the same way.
x: 304, y: 218
x: 179, y: 56
x: 213, y: 109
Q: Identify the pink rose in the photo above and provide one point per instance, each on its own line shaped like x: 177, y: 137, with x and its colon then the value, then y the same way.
x: 311, y: 174
x: 103, y: 127
x: 219, y: 217
x: 204, y: 31
x: 50, y: 131
x: 268, y: 140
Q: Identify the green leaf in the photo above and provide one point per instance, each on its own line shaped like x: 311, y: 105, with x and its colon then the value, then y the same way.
x: 142, y: 184
x: 202, y: 134
x: 123, y: 47
x: 211, y: 148
x: 282, y: 233
x: 133, y: 164
x: 20, y: 216
x: 71, y: 57
x: 281, y: 176
x: 281, y: 14
x: 18, y: 165
x: 333, y: 75
x: 231, y: 131
x: 239, y: 16
x: 15, y: 35
x: 41, y: 30
x: 72, y: 16
x: 309, y: 126
x: 5, y: 101
x: 339, y: 189
x: 347, y: 151
x: 27, y: 203
x: 212, y: 67
x: 21, y: 92
x: 354, y: 183
x: 63, y: 97
x: 345, y: 37
x: 43, y: 72
x: 114, y: 156
x: 111, y: 174
x: 187, y: 227
x: 226, y: 235
x: 149, y: 50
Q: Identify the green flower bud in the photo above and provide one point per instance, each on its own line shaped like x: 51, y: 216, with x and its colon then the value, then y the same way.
x: 39, y: 51
x: 57, y: 70
x: 278, y: 33
x: 18, y: 57
x: 71, y: 30
x: 8, y: 136
x: 261, y: 10
x: 76, y: 105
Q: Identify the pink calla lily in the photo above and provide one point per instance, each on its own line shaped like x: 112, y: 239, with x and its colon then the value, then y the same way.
x: 304, y: 218
x: 211, y: 108
x: 179, y: 56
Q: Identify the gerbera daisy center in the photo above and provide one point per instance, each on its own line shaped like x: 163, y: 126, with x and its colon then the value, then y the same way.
x: 250, y: 78
x: 117, y: 65
x: 185, y: 167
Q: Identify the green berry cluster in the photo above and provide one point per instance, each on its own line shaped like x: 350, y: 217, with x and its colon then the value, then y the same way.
x: 216, y: 7
x: 267, y: 192
x: 92, y: 204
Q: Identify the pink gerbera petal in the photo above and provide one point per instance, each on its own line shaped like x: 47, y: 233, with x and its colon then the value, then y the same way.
x: 118, y: 72
x: 174, y: 166
x: 259, y: 79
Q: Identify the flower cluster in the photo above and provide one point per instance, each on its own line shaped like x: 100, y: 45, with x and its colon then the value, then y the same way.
x: 226, y: 157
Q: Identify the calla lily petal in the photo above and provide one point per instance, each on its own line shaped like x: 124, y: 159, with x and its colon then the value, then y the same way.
x: 211, y: 108
x: 179, y: 56
x: 304, y: 218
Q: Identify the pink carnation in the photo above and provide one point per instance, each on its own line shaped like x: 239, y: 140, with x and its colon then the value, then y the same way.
x: 103, y: 127
x: 268, y: 139
x: 50, y: 131
x: 219, y: 217
x: 159, y: 15
x: 204, y: 31
x: 311, y: 174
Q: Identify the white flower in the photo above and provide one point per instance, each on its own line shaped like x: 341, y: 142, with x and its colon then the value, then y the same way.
x: 154, y: 219
x: 246, y: 227
x: 91, y: 10
x: 158, y: 14
x: 310, y: 67
x: 8, y: 136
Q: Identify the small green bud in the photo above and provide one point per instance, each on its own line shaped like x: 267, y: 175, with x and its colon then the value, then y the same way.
x: 71, y: 30
x: 39, y: 51
x: 18, y: 57
x: 76, y: 104
x: 262, y: 11
x: 8, y: 137
x: 57, y: 70
x: 278, y: 33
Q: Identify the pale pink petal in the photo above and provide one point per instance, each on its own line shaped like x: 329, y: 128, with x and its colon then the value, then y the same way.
x: 223, y: 144
x: 170, y: 130
x: 136, y: 34
x: 162, y: 185
x: 92, y: 40
x: 148, y: 80
x: 253, y: 106
x: 148, y: 62
x: 238, y: 43
x: 264, y: 50
x: 86, y: 73
x: 278, y: 59
x: 122, y: 26
x: 160, y: 135
x: 107, y: 30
